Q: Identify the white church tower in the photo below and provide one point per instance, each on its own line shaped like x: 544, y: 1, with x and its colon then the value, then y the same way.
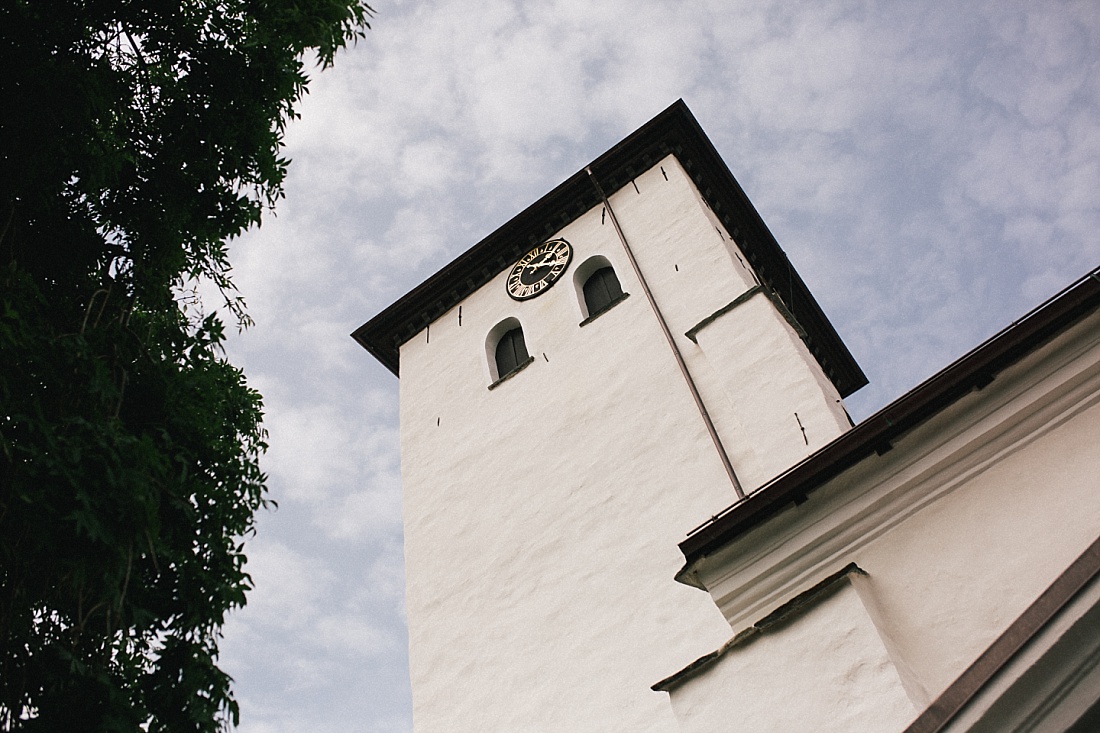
x: 579, y: 390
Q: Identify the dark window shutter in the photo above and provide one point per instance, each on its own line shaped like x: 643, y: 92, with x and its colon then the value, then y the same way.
x: 511, y: 352
x: 601, y: 289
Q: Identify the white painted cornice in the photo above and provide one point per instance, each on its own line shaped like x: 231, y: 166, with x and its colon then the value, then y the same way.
x: 775, y: 561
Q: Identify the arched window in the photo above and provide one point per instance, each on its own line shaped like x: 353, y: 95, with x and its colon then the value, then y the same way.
x: 597, y: 287
x: 511, y: 352
x: 601, y: 291
x: 505, y: 351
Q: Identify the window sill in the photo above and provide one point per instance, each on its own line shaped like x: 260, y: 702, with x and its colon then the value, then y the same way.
x: 605, y: 309
x: 518, y: 368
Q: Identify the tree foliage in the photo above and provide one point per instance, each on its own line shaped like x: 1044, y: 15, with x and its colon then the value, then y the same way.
x: 136, y: 138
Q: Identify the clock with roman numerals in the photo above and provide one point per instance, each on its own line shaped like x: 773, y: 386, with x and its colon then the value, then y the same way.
x: 539, y: 269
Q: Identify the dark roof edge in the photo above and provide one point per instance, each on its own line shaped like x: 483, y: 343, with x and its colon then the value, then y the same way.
x: 974, y: 370
x: 383, y: 335
x: 673, y: 131
x: 1001, y: 652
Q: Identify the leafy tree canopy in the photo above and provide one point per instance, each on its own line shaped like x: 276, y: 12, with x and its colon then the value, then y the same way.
x: 136, y: 138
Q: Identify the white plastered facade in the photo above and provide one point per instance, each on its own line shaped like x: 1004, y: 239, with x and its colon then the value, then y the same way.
x: 542, y: 517
x: 959, y: 528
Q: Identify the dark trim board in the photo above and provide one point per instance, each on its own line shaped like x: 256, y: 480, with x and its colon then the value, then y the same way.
x: 674, y: 131
x: 1031, y: 623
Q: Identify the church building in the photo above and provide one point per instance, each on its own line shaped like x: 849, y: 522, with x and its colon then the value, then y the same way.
x: 634, y: 501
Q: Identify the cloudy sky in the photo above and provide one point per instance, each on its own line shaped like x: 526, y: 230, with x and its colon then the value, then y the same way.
x: 931, y: 168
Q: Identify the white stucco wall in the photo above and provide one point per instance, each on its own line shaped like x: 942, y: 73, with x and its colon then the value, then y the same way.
x: 751, y: 368
x: 542, y: 517
x: 825, y: 670
x: 785, y: 411
x: 960, y: 527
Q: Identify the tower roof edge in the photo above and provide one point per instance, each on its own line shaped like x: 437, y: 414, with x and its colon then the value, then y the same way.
x: 674, y: 131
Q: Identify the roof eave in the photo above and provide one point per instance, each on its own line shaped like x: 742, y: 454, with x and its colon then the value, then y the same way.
x: 674, y: 131
x: 974, y: 370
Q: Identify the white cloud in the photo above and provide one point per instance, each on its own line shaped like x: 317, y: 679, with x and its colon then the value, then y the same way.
x: 351, y: 634
x: 367, y: 512
x: 287, y: 586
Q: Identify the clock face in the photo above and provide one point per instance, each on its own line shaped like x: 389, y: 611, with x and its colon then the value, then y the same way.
x: 539, y: 269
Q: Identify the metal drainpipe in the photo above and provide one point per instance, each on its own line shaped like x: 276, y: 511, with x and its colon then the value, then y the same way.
x: 671, y: 342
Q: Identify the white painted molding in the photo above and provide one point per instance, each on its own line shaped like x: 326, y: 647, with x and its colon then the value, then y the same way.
x: 775, y: 561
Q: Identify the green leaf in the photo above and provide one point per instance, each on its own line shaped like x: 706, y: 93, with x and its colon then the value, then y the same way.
x: 136, y: 138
